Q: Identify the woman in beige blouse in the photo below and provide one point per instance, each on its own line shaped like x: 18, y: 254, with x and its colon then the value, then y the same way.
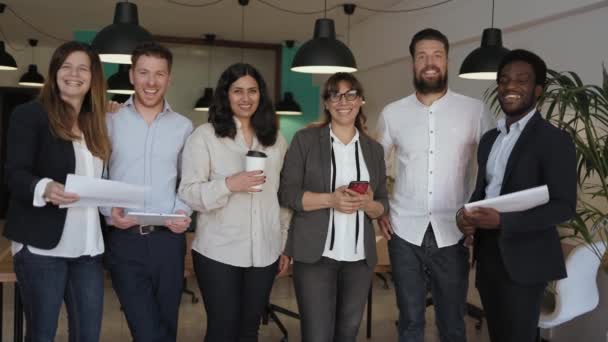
x: 240, y: 231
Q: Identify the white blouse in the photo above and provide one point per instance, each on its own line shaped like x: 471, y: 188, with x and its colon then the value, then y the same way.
x: 82, y: 229
x: 345, y: 224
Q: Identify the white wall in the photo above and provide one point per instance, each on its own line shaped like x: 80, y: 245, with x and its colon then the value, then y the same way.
x: 569, y: 35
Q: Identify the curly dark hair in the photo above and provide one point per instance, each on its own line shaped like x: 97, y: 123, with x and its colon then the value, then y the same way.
x: 264, y: 121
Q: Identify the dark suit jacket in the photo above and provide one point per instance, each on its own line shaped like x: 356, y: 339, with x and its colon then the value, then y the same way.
x: 32, y: 154
x: 307, y: 167
x: 529, y: 241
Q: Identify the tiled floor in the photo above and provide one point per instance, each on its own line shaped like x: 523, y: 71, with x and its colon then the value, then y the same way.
x: 192, y: 318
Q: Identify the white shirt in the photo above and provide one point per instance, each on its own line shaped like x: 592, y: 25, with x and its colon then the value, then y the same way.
x: 82, y: 230
x: 435, y: 162
x: 238, y: 229
x: 345, y: 224
x: 501, y: 150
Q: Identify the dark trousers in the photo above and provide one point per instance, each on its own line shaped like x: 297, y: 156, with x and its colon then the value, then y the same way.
x: 443, y: 271
x: 512, y: 309
x: 331, y: 298
x: 235, y: 298
x: 45, y: 282
x: 147, y: 274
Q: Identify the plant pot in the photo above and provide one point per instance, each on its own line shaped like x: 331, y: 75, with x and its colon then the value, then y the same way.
x: 604, y: 263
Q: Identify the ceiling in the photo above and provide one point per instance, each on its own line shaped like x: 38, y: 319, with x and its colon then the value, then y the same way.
x: 262, y: 23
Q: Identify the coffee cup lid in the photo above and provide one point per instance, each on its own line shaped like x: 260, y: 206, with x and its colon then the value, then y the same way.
x: 257, y: 154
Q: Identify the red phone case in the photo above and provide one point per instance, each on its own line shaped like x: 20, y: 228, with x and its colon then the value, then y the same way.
x: 360, y: 187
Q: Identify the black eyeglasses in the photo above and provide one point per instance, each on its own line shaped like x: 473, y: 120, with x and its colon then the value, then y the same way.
x: 350, y: 96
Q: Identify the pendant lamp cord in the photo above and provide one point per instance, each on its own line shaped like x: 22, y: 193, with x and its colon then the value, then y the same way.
x: 492, y: 14
x: 348, y: 30
x: 325, y: 9
x: 242, y: 32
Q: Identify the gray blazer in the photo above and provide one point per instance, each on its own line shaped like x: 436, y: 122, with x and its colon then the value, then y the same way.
x: 307, y: 167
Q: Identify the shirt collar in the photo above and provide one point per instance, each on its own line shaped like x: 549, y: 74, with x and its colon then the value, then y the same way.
x: 352, y: 141
x: 518, y: 126
x: 445, y: 97
x: 166, y: 106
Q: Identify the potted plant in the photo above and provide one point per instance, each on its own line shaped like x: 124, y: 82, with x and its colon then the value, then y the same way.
x: 582, y: 111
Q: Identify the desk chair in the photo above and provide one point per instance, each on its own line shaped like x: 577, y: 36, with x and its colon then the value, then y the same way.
x: 578, y: 293
x: 272, y: 310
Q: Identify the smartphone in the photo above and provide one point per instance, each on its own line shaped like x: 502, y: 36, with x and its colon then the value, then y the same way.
x: 359, y: 186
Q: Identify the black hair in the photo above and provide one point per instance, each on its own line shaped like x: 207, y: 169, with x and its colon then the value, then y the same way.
x: 429, y: 34
x: 264, y: 121
x: 537, y: 64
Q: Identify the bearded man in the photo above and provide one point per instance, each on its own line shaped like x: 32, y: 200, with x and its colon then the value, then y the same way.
x: 434, y: 134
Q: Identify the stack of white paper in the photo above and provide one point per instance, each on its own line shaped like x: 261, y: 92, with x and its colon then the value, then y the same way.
x: 95, y: 192
x: 515, y: 201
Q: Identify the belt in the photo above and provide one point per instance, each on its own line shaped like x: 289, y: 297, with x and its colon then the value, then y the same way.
x: 143, y: 230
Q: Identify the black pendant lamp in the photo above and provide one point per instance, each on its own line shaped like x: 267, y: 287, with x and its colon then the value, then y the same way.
x: 119, y: 82
x: 116, y: 42
x: 324, y: 54
x: 204, y: 102
x: 120, y: 98
x: 288, y: 105
x: 482, y: 63
x: 32, y: 78
x: 7, y: 62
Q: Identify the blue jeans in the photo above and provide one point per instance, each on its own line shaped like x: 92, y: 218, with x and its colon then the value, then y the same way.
x: 443, y: 271
x: 45, y: 282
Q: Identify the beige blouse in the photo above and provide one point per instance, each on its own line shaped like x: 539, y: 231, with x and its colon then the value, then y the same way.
x: 238, y: 229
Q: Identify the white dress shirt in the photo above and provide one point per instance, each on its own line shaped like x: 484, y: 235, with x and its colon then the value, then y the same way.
x: 501, y: 150
x: 82, y: 230
x: 345, y: 224
x: 435, y: 162
x: 239, y: 229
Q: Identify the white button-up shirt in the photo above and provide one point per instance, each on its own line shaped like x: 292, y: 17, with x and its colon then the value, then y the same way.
x: 235, y: 228
x: 435, y: 162
x: 345, y: 224
x: 501, y: 150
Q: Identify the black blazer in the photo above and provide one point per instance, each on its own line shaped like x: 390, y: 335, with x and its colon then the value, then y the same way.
x: 34, y: 153
x: 529, y: 242
x: 307, y: 167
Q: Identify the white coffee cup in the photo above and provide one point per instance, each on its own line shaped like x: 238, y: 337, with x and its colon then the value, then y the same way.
x: 255, y: 161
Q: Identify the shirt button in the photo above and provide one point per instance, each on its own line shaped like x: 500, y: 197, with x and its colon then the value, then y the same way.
x: 431, y: 172
x: 430, y: 192
x: 431, y: 151
x: 432, y: 132
x: 430, y: 213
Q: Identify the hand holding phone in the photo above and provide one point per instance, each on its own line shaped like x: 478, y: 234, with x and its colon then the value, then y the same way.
x: 359, y: 186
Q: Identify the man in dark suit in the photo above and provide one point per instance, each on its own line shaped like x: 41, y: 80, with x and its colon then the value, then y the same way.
x: 517, y: 253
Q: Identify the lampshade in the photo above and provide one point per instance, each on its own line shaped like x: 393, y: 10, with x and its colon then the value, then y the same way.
x: 120, y: 98
x: 203, y: 103
x: 32, y: 77
x: 7, y: 62
x: 119, y: 82
x: 288, y: 106
x: 116, y: 42
x: 482, y: 63
x: 324, y: 54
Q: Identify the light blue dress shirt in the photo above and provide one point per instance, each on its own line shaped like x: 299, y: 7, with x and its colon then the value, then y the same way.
x: 501, y: 151
x: 148, y: 155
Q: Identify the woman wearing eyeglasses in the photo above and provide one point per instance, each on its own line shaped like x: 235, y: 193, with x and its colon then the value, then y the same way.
x: 331, y: 237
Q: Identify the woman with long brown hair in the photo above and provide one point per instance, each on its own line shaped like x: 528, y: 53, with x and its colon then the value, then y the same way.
x: 57, y: 251
x: 331, y: 238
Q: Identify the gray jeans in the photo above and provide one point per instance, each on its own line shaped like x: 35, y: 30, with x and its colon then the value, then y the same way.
x: 443, y: 271
x: 331, y: 298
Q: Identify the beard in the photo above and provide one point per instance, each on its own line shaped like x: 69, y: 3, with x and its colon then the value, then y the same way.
x: 430, y: 87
